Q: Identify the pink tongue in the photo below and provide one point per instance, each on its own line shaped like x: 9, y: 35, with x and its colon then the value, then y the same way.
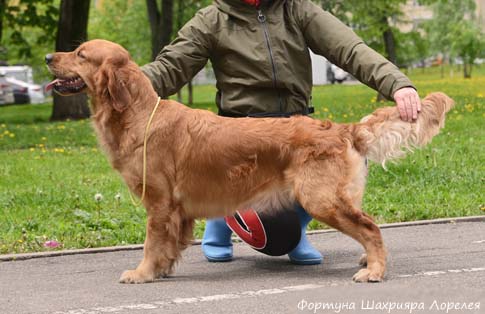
x: 49, y: 86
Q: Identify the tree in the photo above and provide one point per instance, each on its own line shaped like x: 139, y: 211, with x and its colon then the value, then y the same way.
x: 374, y: 20
x: 185, y: 11
x: 2, y: 13
x: 161, y: 24
x: 454, y: 32
x: 371, y: 20
x: 26, y: 24
x: 124, y: 22
x: 71, y: 32
x: 412, y: 47
x: 468, y: 44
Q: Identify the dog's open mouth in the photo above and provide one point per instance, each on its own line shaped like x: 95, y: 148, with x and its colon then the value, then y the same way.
x: 72, y: 85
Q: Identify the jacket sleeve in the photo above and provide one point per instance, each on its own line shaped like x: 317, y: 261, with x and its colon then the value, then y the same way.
x: 178, y: 62
x: 327, y: 36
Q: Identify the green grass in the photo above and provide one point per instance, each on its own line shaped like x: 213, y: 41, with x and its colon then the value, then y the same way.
x: 50, y: 172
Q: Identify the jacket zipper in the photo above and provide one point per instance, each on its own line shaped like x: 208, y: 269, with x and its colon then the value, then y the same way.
x: 262, y: 21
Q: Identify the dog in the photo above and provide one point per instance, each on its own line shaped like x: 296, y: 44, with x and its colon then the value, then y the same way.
x: 203, y: 165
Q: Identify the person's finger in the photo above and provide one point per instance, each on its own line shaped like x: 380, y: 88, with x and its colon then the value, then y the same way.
x: 401, y: 108
x: 419, y: 103
x: 414, y: 105
x: 409, y: 108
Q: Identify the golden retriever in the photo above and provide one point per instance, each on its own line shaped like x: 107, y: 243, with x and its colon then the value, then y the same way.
x: 203, y: 165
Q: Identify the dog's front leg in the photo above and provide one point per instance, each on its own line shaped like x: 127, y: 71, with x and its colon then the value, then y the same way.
x: 167, y: 233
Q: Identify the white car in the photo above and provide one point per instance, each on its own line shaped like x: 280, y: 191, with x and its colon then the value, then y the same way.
x: 337, y: 74
x: 36, y: 94
x: 6, y: 91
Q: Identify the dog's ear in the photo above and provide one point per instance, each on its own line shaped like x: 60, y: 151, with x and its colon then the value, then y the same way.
x: 111, y: 80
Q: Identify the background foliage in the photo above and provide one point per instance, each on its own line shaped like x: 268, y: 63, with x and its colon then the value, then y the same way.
x: 56, y: 185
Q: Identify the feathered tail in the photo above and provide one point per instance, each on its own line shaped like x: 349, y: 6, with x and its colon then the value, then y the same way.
x: 383, y: 136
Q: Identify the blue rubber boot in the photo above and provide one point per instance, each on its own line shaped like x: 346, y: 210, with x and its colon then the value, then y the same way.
x: 216, y: 243
x: 304, y: 253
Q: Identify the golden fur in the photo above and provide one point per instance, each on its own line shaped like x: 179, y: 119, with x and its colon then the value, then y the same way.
x: 203, y: 165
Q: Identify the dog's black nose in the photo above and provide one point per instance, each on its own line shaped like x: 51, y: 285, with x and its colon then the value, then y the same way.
x: 48, y: 58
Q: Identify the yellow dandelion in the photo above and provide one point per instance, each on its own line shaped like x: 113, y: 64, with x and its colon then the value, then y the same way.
x: 32, y: 149
x: 11, y: 135
x: 325, y: 109
x: 43, y: 138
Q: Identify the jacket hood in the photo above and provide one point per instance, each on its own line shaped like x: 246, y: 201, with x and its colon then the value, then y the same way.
x: 241, y: 10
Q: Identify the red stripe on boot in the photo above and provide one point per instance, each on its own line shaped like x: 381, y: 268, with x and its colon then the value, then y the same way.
x: 253, y: 232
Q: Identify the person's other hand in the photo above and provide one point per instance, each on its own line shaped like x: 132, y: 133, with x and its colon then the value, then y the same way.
x: 408, y: 103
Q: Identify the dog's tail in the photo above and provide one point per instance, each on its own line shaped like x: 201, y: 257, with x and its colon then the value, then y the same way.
x: 383, y: 136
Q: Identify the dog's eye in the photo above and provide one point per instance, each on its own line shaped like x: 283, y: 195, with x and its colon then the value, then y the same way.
x: 81, y: 55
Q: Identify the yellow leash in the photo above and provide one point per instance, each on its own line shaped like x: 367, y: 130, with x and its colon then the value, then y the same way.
x: 145, y: 158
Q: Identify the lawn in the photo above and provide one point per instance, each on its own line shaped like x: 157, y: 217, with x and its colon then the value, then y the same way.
x: 50, y: 173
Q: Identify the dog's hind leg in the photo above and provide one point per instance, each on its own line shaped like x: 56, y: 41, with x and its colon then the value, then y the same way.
x: 359, y: 226
x: 167, y: 233
x: 328, y: 199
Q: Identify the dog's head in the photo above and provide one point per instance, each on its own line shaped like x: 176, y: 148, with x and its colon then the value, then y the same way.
x: 98, y: 67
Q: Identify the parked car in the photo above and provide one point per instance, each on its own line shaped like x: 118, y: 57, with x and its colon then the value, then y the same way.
x: 20, y: 72
x: 6, y: 91
x: 34, y: 92
x: 338, y: 75
x: 21, y: 94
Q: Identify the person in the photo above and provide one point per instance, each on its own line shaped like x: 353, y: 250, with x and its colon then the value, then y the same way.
x: 259, y: 50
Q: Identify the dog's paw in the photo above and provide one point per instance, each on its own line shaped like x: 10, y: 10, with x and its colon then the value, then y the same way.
x: 366, y: 275
x: 134, y: 276
x: 363, y: 260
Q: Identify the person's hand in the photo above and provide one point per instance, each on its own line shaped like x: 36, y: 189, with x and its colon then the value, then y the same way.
x: 408, y: 103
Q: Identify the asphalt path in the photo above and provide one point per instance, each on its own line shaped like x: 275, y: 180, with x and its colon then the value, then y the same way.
x: 436, y: 268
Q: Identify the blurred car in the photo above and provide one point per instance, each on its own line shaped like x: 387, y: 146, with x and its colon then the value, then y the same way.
x: 6, y: 91
x: 338, y: 75
x: 21, y: 94
x: 34, y: 92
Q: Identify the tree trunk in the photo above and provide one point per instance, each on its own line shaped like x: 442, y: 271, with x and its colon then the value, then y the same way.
x: 191, y: 93
x: 154, y: 19
x: 2, y: 13
x: 390, y: 46
x: 71, y: 32
x: 167, y: 22
x: 161, y: 24
x: 467, y: 69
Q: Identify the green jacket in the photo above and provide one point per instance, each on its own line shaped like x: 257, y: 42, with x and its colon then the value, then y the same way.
x: 261, y: 59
